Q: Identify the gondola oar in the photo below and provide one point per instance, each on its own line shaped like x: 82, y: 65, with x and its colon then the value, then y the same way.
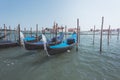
x: 45, y: 43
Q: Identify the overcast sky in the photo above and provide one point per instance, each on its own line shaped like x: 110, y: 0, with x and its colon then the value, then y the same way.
x: 28, y: 13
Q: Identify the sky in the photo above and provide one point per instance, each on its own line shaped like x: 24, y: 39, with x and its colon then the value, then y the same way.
x: 28, y: 13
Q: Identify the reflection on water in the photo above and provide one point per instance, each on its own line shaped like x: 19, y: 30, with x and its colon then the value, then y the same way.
x: 86, y: 64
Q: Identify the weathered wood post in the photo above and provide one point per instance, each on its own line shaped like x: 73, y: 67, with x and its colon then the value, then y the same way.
x: 31, y: 31
x: 62, y: 28
x: 0, y: 28
x: 42, y: 30
x: 19, y: 40
x: 108, y: 35
x: 65, y: 31
x: 94, y: 35
x: 56, y: 28
x: 10, y: 33
x: 118, y: 30
x: 5, y: 33
x: 101, y: 34
x: 77, y: 34
x: 15, y: 32
x: 25, y: 32
x: 37, y: 31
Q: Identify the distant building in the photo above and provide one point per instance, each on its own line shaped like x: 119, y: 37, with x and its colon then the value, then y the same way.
x: 60, y: 29
x: 72, y: 29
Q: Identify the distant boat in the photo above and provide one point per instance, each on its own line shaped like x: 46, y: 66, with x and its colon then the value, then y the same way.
x: 40, y: 44
x: 65, y: 46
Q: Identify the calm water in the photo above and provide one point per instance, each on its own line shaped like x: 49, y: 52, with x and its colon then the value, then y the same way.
x: 86, y: 64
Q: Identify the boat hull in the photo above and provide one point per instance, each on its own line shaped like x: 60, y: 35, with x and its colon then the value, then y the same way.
x: 6, y: 44
x: 32, y: 46
x: 53, y: 51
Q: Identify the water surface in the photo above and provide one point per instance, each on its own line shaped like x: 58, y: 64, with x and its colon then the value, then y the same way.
x: 86, y: 64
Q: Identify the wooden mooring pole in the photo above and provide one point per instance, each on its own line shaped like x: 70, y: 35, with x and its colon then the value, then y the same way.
x: 118, y: 30
x: 62, y: 28
x: 77, y: 34
x: 19, y: 40
x: 5, y: 33
x: 101, y: 34
x: 9, y: 33
x: 25, y: 32
x: 56, y: 29
x: 108, y: 35
x: 0, y: 30
x: 42, y: 30
x: 65, y: 31
x: 94, y: 35
x: 31, y: 31
x: 15, y: 32
x: 37, y: 31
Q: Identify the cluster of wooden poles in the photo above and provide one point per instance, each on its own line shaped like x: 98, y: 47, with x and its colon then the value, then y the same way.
x: 55, y: 32
x: 101, y: 34
x: 8, y: 31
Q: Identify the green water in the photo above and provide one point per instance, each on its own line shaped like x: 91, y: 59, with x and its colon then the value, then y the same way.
x: 86, y: 64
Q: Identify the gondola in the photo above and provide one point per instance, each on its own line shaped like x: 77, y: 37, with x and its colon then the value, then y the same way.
x: 39, y: 44
x: 6, y: 44
x: 64, y: 46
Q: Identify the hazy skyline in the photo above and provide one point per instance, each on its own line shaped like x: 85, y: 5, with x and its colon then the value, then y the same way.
x: 28, y: 13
